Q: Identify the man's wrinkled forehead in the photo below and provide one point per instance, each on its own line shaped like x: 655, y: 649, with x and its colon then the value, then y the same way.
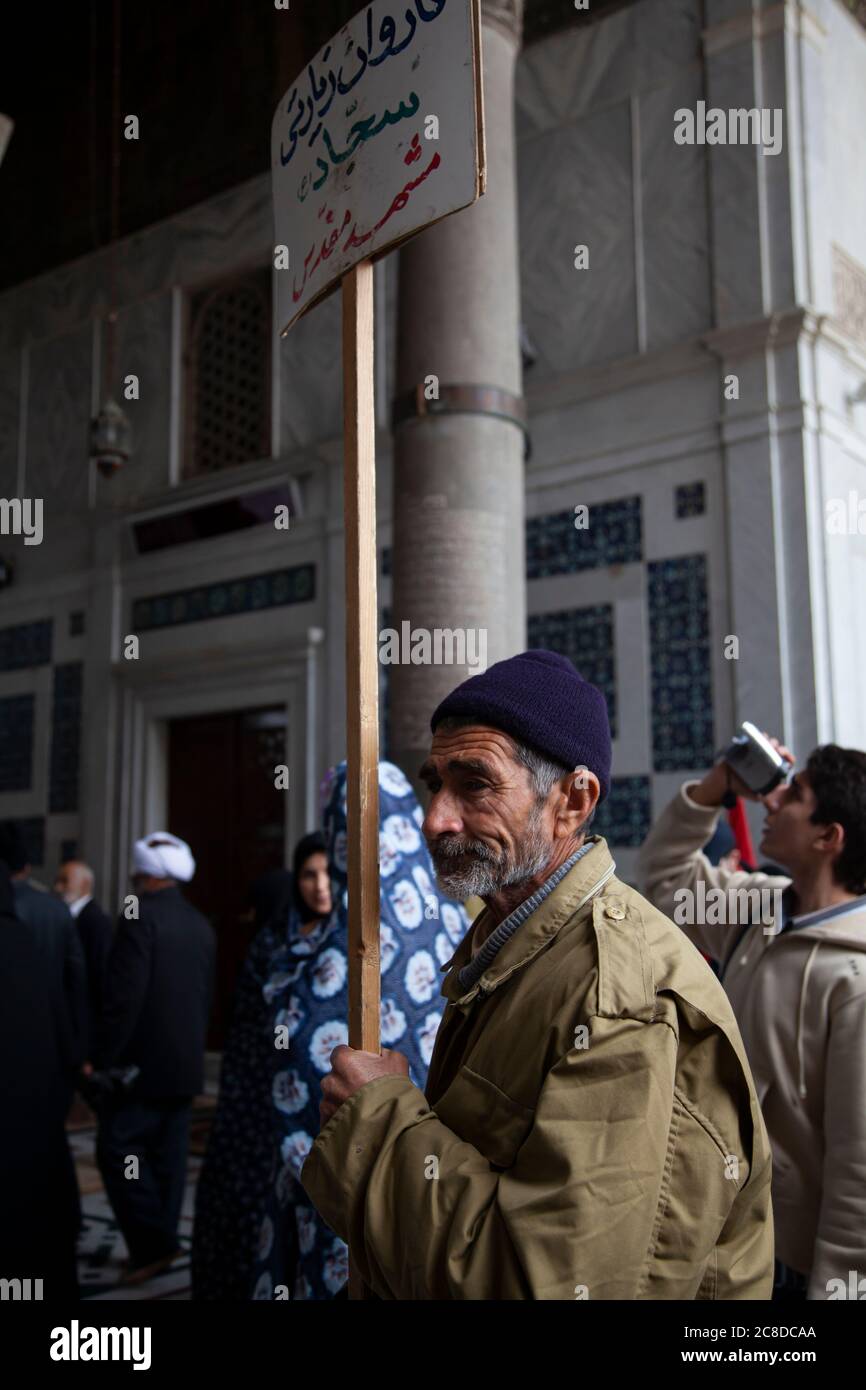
x: 475, y: 748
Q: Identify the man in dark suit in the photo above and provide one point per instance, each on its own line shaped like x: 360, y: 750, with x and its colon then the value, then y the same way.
x: 38, y: 1194
x: 53, y: 934
x: 74, y: 885
x: 155, y: 1016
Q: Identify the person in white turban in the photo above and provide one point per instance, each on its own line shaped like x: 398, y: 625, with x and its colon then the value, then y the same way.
x: 164, y: 857
x: 152, y: 1035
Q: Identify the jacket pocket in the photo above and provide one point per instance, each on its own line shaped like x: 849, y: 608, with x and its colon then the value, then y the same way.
x: 484, y: 1116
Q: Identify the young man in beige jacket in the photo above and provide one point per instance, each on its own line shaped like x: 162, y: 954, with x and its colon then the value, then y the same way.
x: 791, y: 952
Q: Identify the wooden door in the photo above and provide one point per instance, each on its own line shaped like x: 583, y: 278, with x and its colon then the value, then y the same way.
x: 222, y: 800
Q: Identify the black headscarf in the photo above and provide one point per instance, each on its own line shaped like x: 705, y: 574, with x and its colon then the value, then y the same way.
x: 275, y: 894
x: 304, y: 850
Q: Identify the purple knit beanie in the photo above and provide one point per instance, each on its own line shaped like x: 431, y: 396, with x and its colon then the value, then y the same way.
x: 540, y: 699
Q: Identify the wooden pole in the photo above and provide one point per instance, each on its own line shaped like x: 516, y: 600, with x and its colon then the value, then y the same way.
x: 362, y: 666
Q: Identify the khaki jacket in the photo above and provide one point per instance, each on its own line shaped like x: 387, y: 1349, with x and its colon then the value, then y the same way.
x: 590, y: 1127
x: 800, y: 1001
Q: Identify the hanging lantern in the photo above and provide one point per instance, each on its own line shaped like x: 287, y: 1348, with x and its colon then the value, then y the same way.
x: 110, y: 438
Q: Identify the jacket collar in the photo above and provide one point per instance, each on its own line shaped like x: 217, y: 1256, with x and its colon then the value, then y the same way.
x: 578, y: 886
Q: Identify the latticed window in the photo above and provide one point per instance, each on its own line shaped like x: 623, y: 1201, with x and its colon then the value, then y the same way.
x: 228, y: 364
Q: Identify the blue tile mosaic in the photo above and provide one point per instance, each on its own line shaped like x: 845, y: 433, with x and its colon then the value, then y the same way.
x: 690, y: 500
x: 65, y: 739
x: 623, y: 818
x: 586, y: 637
x: 613, y: 536
x: 16, y: 742
x: 26, y: 644
x: 32, y: 832
x: 296, y: 585
x: 680, y: 678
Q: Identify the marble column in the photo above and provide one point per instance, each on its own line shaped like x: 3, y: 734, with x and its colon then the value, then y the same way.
x: 458, y: 500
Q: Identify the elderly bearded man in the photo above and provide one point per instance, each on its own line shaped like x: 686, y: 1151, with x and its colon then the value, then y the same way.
x: 590, y: 1127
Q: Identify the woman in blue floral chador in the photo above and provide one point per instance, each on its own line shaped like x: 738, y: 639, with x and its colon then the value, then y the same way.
x: 235, y: 1179
x: 307, y: 997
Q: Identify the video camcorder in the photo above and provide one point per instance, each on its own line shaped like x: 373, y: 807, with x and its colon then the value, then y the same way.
x: 755, y: 761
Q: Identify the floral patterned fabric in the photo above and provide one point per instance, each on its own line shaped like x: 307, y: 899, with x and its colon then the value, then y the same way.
x: 307, y: 997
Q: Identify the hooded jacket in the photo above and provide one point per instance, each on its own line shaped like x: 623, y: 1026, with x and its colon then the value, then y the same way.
x: 589, y: 1127
x: 800, y: 1000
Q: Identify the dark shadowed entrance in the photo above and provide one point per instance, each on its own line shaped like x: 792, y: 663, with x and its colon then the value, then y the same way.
x: 222, y: 800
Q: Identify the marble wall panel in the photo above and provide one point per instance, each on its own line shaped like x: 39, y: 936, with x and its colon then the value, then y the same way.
x: 844, y: 108
x: 311, y: 379
x: 144, y: 347
x: 204, y: 243
x: 778, y: 91
x: 754, y: 597
x: 810, y: 182
x: 734, y: 191
x: 845, y: 568
x: 577, y: 71
x: 838, y: 379
x: 635, y: 416
x: 58, y: 418
x: 802, y: 586
x: 751, y: 370
x: 722, y: 11
x: 677, y: 285
x: 575, y: 188
x: 10, y: 388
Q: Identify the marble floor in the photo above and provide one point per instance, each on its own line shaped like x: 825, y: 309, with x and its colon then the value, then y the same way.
x: 101, y: 1247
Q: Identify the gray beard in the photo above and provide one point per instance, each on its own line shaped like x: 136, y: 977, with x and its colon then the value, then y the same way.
x: 488, y: 873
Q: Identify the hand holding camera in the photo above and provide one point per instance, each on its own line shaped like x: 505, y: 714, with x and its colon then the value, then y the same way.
x: 752, y: 765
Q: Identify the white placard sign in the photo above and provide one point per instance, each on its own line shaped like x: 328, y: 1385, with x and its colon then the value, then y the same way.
x: 380, y: 135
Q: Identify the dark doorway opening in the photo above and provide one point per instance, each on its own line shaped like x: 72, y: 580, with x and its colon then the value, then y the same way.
x: 223, y: 801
